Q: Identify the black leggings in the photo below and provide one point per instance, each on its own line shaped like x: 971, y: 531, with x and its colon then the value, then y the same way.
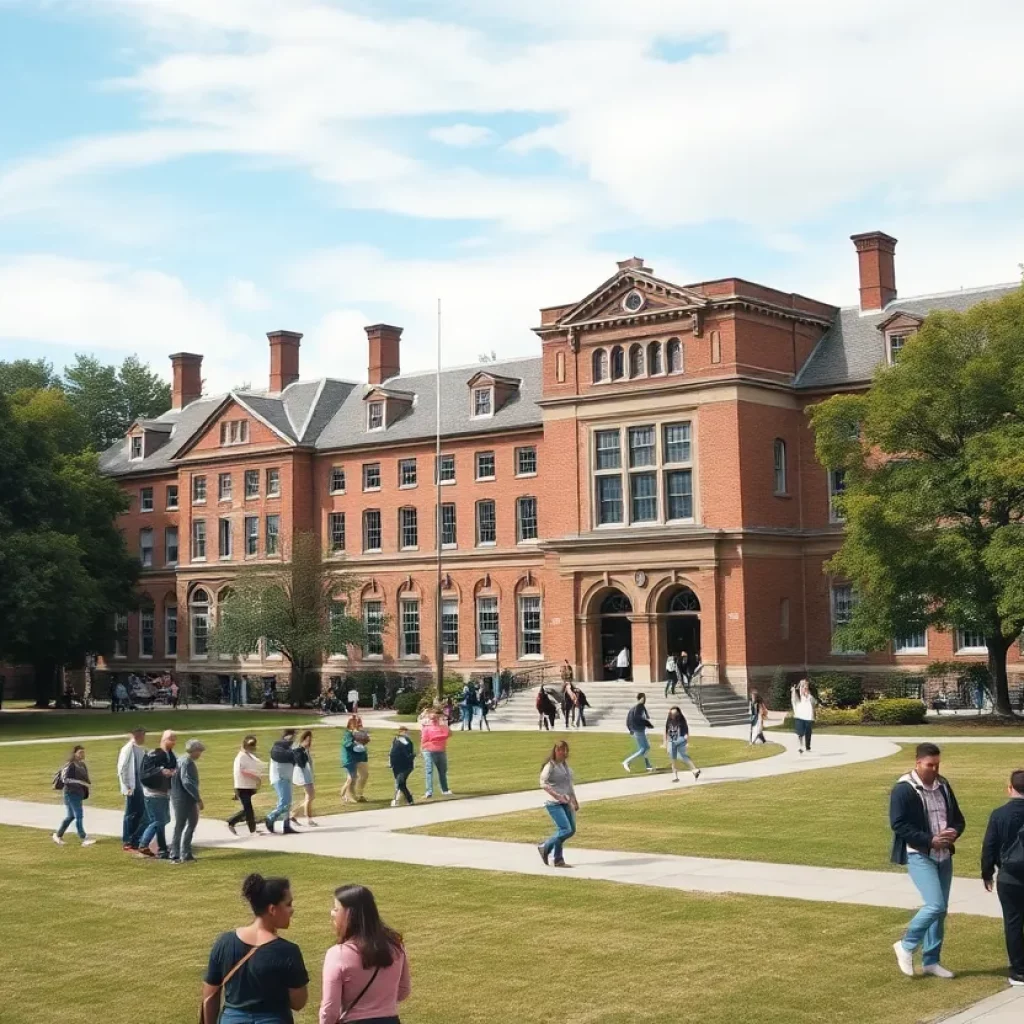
x: 245, y: 798
x: 804, y: 729
x: 401, y: 785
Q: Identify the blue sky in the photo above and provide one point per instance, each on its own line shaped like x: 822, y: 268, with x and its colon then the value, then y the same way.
x: 189, y: 174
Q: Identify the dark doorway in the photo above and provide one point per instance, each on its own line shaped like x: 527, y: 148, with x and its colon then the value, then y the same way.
x: 680, y: 615
x: 616, y: 633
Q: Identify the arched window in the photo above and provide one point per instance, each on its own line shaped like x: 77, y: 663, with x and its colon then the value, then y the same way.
x: 780, y: 466
x: 636, y: 361
x: 654, y: 357
x: 684, y: 600
x: 616, y: 603
x: 199, y: 616
x: 618, y: 363
x: 675, y: 356
x: 600, y: 365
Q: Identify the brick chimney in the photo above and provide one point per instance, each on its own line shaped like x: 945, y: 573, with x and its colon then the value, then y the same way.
x: 284, y: 359
x: 186, y: 378
x: 384, y: 361
x: 876, y: 258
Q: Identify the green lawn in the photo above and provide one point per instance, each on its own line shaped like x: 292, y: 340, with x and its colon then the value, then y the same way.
x: 985, y: 725
x: 480, y: 764
x: 836, y: 817
x: 120, y: 940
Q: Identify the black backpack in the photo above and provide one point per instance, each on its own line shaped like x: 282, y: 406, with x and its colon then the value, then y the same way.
x: 151, y: 771
x: 1013, y: 859
x: 58, y: 778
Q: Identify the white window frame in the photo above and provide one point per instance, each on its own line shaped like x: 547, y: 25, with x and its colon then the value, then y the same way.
x: 449, y: 612
x: 406, y: 607
x: 334, y: 519
x: 225, y: 487
x: 199, y: 489
x: 332, y: 480
x: 248, y: 477
x: 454, y: 542
x: 486, y: 543
x: 367, y: 466
x: 225, y: 552
x: 834, y: 515
x: 892, y: 349
x: 526, y: 451
x: 197, y: 612
x: 477, y: 456
x: 199, y: 539
x: 136, y: 448
x: 901, y: 646
x: 780, y: 468
x: 408, y: 521
x: 373, y: 410
x: 167, y: 498
x: 367, y: 549
x: 481, y: 653
x: 170, y: 616
x: 249, y: 534
x: 403, y: 466
x: 146, y: 533
x: 276, y: 552
x: 521, y: 537
x: 177, y: 545
x: 446, y: 460
x: 151, y: 613
x: 962, y: 637
x: 524, y: 654
x: 120, y: 635
x: 482, y: 403
x: 373, y: 619
x: 234, y: 432
x: 273, y: 474
x: 143, y: 491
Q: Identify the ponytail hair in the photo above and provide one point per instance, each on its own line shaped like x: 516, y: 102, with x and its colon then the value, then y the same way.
x: 263, y: 893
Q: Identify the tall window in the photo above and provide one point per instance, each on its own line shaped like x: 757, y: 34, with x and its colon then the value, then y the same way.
x: 224, y: 538
x: 146, y: 499
x: 373, y: 626
x: 224, y: 487
x: 146, y: 547
x: 272, y: 535
x: 618, y: 363
x: 336, y: 530
x: 375, y: 416
x: 234, y: 432
x: 409, y: 613
x: 147, y: 632
x: 485, y: 465
x: 337, y: 480
x: 486, y: 626
x: 486, y: 527
x: 171, y: 630
x: 526, y: 461
x: 371, y: 529
x: 529, y: 626
x: 408, y: 528
x: 337, y: 613
x: 273, y: 483
x: 135, y: 448
x: 636, y: 361
x: 199, y: 608
x: 252, y: 536
x: 970, y: 641
x: 608, y: 456
x: 121, y: 635
x: 836, y: 490
x: 252, y: 483
x: 526, y: 519
x: 678, y: 494
x: 483, y: 402
x: 675, y: 355
x: 643, y: 486
x: 780, y: 465
x: 447, y: 466
x: 198, y: 540
x: 844, y: 600
x: 198, y: 490
x: 450, y: 627
x: 172, y: 497
x: 170, y: 545
x: 406, y: 472
x: 896, y: 343
x: 599, y: 364
x: 449, y: 536
x: 560, y: 367
x: 371, y: 476
x: 654, y: 357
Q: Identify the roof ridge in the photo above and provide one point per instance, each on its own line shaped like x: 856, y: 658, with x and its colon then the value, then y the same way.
x: 467, y: 366
x: 949, y: 293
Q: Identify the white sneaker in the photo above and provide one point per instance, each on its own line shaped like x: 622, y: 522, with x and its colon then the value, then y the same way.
x: 937, y: 971
x: 625, y: 764
x: 394, y: 803
x: 428, y: 796
x: 651, y: 768
x: 88, y: 842
x: 904, y: 958
x: 1016, y: 982
x: 447, y: 792
x: 57, y: 839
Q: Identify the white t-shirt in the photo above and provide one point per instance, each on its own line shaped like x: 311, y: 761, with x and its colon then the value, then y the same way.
x: 622, y: 661
x: 670, y: 664
x: 303, y: 776
x: 250, y: 762
x: 803, y: 708
x: 353, y: 696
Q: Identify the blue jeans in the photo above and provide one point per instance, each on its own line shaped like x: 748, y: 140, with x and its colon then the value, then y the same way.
x: 435, y: 759
x: 135, y: 819
x: 232, y: 1016
x: 158, y: 810
x: 467, y: 716
x: 73, y: 806
x: 564, y: 818
x: 642, y: 746
x: 283, y: 789
x: 933, y: 879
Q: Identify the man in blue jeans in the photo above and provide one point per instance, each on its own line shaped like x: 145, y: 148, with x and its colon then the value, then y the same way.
x: 637, y: 722
x: 158, y: 768
x: 926, y: 821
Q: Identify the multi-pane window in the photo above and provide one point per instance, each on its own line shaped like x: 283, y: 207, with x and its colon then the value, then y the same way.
x: 677, y: 442
x: 482, y: 402
x: 836, y: 489
x: 641, y: 447
x: 408, y: 528
x: 273, y: 483
x: 224, y: 538
x: 675, y: 356
x: 252, y: 536
x: 252, y: 483
x: 526, y: 519
x: 198, y: 540
x: 913, y: 642
x: 171, y: 630
x: 146, y: 499
x: 272, y: 534
x: 147, y: 632
x: 409, y: 614
x: 198, y: 490
x: 447, y: 466
x: 609, y: 499
x: 643, y: 487
x: 606, y: 444
x: 172, y: 497
x: 679, y: 494
x: 844, y: 600
x: 170, y: 545
x: 486, y: 525
x: 121, y: 635
x: 618, y: 363
x: 371, y: 529
x: 135, y: 449
x: 234, y: 432
x: 654, y: 357
x: 485, y: 465
x: 896, y: 343
x: 336, y: 530
x: 529, y: 626
x: 375, y: 416
x: 636, y: 361
x: 224, y: 487
x: 486, y: 626
x: 450, y: 627
x: 146, y: 547
x: 406, y: 472
x: 200, y: 617
x: 337, y: 480
x: 970, y: 641
x: 449, y: 536
x: 371, y: 476
x: 337, y: 613
x: 526, y: 461
x: 779, y: 454
x: 373, y: 626
x: 599, y: 370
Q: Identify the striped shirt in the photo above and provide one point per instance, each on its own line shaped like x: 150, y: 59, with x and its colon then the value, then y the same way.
x: 935, y: 805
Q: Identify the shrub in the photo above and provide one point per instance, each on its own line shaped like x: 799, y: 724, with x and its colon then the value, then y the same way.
x: 408, y: 702
x: 894, y: 711
x: 836, y: 690
x: 778, y: 694
x: 833, y: 716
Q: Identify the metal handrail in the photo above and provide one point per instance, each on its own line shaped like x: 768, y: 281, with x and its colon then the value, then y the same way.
x: 699, y: 676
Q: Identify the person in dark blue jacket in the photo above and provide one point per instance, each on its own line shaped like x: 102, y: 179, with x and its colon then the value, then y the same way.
x: 1003, y: 848
x: 926, y: 821
x: 402, y: 758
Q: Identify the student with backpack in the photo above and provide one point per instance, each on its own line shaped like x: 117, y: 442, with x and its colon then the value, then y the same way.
x: 73, y: 781
x: 638, y: 722
x: 1003, y: 848
x: 158, y: 769
x: 402, y: 759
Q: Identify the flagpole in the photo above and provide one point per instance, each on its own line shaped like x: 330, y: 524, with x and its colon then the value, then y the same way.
x: 438, y: 639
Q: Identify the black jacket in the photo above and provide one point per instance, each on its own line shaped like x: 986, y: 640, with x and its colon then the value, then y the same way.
x: 402, y: 755
x: 1004, y: 825
x: 152, y: 768
x: 908, y: 818
x: 638, y: 719
x: 283, y: 752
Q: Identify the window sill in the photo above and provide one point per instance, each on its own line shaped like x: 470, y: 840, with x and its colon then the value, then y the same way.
x: 172, y: 508
x: 407, y: 487
x: 487, y: 544
x: 336, y: 494
x: 411, y: 657
x: 526, y: 476
x: 371, y: 490
x: 201, y: 501
x: 449, y: 547
x: 371, y: 551
x: 276, y: 494
x: 531, y: 657
x: 528, y: 542
x: 414, y: 547
x: 485, y: 479
x: 447, y: 483
x: 171, y: 564
x: 781, y: 494
x: 916, y: 652
x: 199, y: 559
x: 200, y: 657
x: 486, y: 657
x: 971, y: 652
x: 145, y: 657
x: 373, y: 657
x: 145, y: 511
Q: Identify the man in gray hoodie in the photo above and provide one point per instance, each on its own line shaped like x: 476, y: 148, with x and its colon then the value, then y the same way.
x: 186, y: 802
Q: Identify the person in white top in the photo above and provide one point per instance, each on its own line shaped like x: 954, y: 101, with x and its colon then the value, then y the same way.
x: 622, y: 663
x: 804, y: 702
x: 129, y: 762
x: 302, y: 775
x: 353, y: 701
x: 248, y: 772
x: 671, y: 675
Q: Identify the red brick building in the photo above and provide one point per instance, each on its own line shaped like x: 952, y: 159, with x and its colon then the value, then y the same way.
x: 647, y: 481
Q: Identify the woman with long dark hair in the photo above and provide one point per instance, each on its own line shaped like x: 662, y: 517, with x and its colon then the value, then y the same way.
x: 366, y: 974
x: 556, y: 781
x: 73, y: 779
x: 302, y: 775
x: 247, y: 773
x: 260, y: 975
x: 677, y: 735
x: 758, y: 713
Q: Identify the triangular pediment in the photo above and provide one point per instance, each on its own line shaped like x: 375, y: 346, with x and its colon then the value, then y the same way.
x: 899, y: 321
x: 633, y: 293
x: 265, y: 426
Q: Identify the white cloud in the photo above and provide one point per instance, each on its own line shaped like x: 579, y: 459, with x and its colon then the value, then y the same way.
x: 245, y: 295
x: 462, y: 135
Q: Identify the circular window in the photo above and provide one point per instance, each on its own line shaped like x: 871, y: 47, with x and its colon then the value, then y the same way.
x: 633, y: 302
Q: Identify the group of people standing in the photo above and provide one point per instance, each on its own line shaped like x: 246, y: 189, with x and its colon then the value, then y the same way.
x: 680, y: 668
x: 571, y: 701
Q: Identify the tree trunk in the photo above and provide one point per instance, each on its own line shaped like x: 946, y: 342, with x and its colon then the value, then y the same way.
x: 997, y: 649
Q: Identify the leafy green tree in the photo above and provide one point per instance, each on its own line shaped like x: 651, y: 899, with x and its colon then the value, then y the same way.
x: 294, y: 609
x: 934, y: 499
x: 27, y: 374
x: 144, y: 392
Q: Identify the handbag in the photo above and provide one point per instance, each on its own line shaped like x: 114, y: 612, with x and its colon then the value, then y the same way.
x: 227, y: 977
x: 355, y: 1002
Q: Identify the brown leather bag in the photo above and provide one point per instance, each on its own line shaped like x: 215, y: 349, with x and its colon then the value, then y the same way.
x: 234, y: 970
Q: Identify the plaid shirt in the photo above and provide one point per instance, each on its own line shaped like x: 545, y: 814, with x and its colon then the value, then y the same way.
x: 935, y: 805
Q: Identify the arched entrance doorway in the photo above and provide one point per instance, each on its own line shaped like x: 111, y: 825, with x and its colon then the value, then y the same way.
x: 616, y: 632
x: 679, y: 623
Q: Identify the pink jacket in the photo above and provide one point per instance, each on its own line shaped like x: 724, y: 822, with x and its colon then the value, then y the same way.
x: 345, y: 976
x: 434, y: 738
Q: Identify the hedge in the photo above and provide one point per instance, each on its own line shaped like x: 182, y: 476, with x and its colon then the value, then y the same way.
x: 407, y: 702
x: 894, y: 712
x: 833, y: 716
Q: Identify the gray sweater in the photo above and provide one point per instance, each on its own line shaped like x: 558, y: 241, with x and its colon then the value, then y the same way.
x: 558, y: 776
x: 185, y: 785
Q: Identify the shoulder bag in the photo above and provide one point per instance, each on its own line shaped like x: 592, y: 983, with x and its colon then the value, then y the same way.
x: 355, y: 1002
x: 227, y: 977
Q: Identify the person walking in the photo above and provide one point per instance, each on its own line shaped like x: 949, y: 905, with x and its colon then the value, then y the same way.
x: 302, y: 776
x: 926, y: 821
x: 638, y: 722
x: 247, y: 772
x: 556, y: 781
x: 581, y: 702
x: 73, y: 780
x: 434, y: 736
x: 485, y: 710
x: 355, y: 760
x: 260, y: 976
x: 402, y: 759
x: 804, y: 703
x: 129, y: 772
x: 622, y: 664
x: 677, y: 735
x: 159, y: 767
x: 186, y: 802
x: 758, y: 714
x: 468, y: 704
x: 1003, y: 849
x: 353, y: 701
x: 547, y: 709
x: 671, y: 674
x: 366, y: 972
x: 282, y: 764
x: 568, y: 705
x: 565, y: 671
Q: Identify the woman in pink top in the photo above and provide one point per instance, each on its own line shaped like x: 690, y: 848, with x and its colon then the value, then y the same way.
x: 366, y: 975
x: 434, y: 735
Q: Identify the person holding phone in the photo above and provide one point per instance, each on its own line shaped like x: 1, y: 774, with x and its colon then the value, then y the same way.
x: 556, y: 781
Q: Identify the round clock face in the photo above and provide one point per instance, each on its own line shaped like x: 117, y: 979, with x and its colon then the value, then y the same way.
x: 633, y: 302
x: 640, y: 577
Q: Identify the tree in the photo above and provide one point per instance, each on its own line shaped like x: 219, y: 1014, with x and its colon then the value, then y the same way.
x: 27, y: 374
x: 295, y: 609
x: 934, y: 500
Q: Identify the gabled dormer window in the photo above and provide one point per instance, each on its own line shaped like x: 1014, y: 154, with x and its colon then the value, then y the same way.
x: 234, y: 432
x: 483, y: 402
x: 894, y: 345
x: 135, y: 447
x: 375, y: 416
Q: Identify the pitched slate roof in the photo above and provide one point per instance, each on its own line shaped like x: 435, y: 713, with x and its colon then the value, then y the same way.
x: 853, y: 346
